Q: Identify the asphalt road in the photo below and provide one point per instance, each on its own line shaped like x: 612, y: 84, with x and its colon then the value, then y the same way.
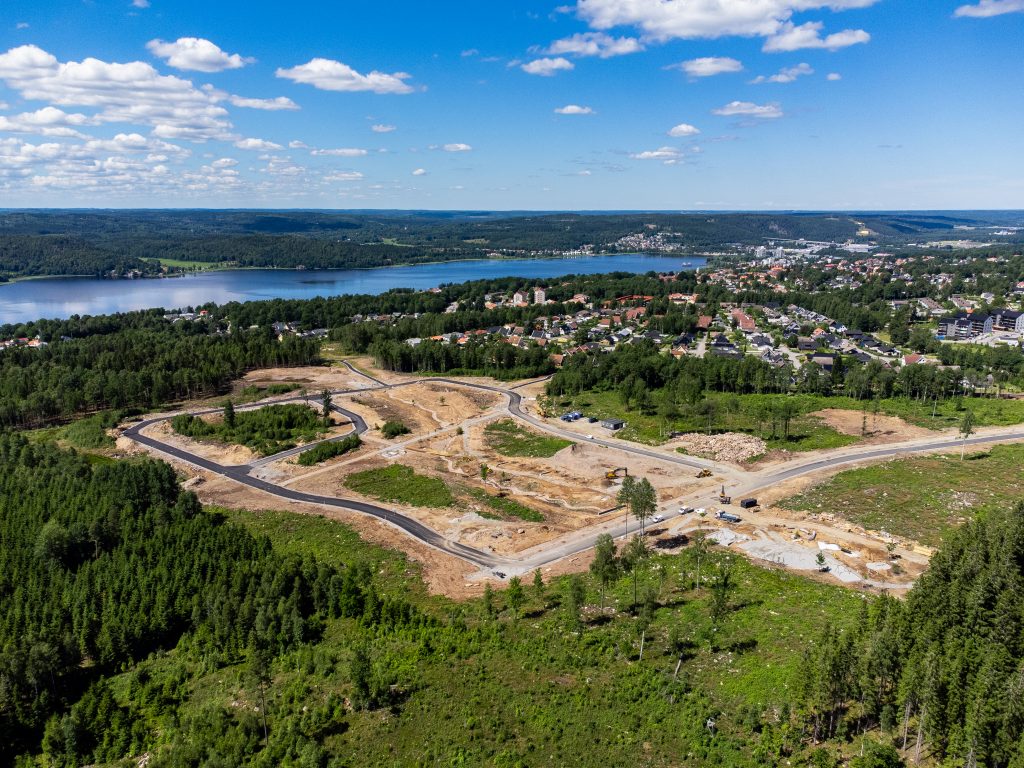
x: 576, y: 542
x: 240, y: 474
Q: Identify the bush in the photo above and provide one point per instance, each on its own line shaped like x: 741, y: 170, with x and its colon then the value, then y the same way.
x: 393, y: 429
x: 325, y: 451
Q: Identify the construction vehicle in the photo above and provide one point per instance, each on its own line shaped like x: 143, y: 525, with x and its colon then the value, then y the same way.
x: 612, y: 474
x: 728, y: 517
x: 722, y: 498
x: 704, y: 473
x: 748, y: 503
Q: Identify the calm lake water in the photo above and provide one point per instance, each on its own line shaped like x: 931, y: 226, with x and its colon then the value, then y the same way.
x: 62, y: 297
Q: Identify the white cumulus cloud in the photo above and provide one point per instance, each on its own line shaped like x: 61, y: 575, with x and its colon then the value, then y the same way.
x: 597, y: 44
x: 344, y: 176
x: 986, y: 8
x: 331, y: 75
x: 784, y: 75
x: 48, y: 121
x: 546, y: 67
x: 196, y: 53
x: 261, y: 145
x: 383, y: 128
x: 341, y: 152
x: 271, y: 105
x: 458, y: 147
x: 574, y: 109
x: 132, y: 92
x: 749, y: 109
x: 667, y: 155
x: 795, y: 38
x: 662, y: 20
x: 833, y: 76
x: 420, y: 172
x: 709, y: 66
x: 683, y: 130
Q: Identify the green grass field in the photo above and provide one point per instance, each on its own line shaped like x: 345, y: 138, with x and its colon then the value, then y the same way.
x: 807, y: 433
x: 511, y: 439
x: 332, y: 543
x: 181, y: 264
x: 920, y: 498
x: 400, y: 483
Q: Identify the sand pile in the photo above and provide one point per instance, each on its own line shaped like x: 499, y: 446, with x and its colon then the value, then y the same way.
x: 730, y: 446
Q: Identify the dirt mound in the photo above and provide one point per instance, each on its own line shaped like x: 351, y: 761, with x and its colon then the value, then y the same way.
x: 731, y: 446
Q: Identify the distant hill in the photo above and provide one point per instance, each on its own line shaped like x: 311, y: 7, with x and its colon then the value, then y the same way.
x: 39, y: 242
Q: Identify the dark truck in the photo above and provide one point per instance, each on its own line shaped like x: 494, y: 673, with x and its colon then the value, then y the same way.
x: 748, y: 503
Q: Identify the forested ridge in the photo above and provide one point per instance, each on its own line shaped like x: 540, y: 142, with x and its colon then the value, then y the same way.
x: 96, y: 242
x: 102, y: 566
x: 138, y: 361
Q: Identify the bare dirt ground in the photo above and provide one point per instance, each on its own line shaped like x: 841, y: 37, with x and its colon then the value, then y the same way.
x: 313, y: 377
x: 880, y: 428
x: 443, y: 573
x: 423, y: 408
x: 460, y: 522
x: 228, y: 455
x: 446, y: 404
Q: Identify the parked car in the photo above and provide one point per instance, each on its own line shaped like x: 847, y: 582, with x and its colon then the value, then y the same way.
x: 658, y: 519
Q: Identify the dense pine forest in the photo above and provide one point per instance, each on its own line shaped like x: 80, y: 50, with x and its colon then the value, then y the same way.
x: 102, y: 566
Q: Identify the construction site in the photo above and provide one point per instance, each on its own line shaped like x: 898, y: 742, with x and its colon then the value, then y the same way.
x: 526, y: 492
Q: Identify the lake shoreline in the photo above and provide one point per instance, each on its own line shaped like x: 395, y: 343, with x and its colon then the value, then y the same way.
x: 61, y: 297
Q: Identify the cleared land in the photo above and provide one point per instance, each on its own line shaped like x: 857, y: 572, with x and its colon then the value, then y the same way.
x: 400, y: 483
x: 492, y: 687
x: 512, y: 439
x: 919, y: 498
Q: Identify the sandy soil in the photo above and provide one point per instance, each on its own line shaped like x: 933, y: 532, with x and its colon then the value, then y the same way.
x: 313, y: 378
x: 227, y: 455
x: 460, y: 522
x: 446, y: 404
x: 378, y: 407
x: 881, y: 428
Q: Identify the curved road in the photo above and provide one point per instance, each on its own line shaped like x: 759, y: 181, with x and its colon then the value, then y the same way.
x: 574, y: 543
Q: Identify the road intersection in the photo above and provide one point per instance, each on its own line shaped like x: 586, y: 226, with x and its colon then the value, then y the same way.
x: 736, y: 480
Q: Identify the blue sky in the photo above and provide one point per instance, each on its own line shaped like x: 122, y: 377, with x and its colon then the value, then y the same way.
x: 601, y: 104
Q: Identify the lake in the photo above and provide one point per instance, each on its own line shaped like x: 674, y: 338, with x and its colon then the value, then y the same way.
x: 62, y: 297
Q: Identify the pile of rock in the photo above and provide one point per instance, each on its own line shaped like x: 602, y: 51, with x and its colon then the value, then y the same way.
x: 730, y: 446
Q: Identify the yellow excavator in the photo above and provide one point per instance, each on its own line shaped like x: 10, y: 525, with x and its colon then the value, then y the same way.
x: 612, y: 474
x: 704, y: 473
